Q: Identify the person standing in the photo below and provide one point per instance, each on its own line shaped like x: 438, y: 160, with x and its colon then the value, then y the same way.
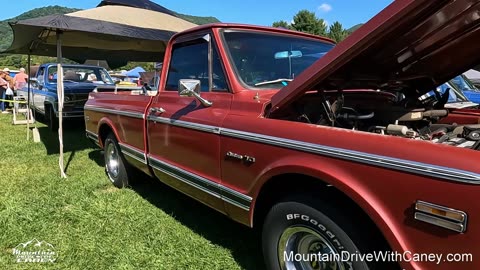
x: 3, y: 89
x: 9, y: 89
x: 20, y: 79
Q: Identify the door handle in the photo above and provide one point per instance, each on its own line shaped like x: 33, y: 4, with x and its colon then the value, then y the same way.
x: 154, y: 110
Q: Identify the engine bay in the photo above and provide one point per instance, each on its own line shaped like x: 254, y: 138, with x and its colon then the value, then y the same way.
x: 386, y: 113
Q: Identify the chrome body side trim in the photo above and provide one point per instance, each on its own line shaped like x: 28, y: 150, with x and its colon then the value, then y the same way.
x: 185, y: 124
x: 70, y: 114
x: 92, y: 136
x: 409, y: 166
x: 112, y: 111
x: 217, y: 190
x: 133, y: 153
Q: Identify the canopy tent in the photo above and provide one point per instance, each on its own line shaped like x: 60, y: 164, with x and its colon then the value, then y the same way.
x: 135, y: 72
x: 98, y: 63
x: 115, y: 33
x: 145, y: 4
x: 472, y: 74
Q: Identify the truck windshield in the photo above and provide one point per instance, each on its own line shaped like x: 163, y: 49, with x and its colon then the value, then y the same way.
x: 77, y: 74
x: 270, y: 61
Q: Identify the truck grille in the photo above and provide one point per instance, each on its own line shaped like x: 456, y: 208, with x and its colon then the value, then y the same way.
x: 75, y: 100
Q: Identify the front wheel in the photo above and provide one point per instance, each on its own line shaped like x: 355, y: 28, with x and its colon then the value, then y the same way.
x: 52, y: 119
x: 115, y: 165
x: 297, y: 236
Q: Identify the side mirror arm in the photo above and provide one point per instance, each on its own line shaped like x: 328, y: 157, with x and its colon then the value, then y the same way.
x: 204, y: 102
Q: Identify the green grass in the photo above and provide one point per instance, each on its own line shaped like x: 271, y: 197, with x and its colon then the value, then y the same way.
x: 93, y: 225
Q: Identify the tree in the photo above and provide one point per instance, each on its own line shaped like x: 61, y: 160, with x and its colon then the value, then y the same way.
x: 281, y: 24
x: 148, y: 66
x: 336, y: 32
x: 306, y: 21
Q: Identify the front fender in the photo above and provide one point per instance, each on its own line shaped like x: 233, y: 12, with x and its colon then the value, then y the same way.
x: 105, y: 121
x: 341, y: 177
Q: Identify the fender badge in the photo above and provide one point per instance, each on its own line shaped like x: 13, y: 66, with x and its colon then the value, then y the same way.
x: 244, y: 158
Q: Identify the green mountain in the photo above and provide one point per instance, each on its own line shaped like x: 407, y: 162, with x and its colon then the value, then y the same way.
x: 355, y: 27
x: 197, y: 19
x: 6, y: 31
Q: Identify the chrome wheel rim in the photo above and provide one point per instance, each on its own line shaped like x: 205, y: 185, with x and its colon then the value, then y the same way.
x: 301, y: 248
x: 112, y: 161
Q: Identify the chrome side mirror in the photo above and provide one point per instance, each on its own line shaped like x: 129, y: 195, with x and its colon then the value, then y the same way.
x: 191, y: 88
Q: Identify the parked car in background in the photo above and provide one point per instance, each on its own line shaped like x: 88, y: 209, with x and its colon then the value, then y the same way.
x: 78, y: 80
x: 467, y: 87
x: 455, y: 99
x: 461, y: 110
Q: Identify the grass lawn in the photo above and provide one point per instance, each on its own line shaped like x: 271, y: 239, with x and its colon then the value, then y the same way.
x: 93, y: 225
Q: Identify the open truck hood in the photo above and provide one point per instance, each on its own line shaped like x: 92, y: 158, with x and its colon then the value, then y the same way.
x: 412, y: 45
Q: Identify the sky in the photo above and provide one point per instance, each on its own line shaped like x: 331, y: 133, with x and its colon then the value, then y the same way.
x: 259, y: 12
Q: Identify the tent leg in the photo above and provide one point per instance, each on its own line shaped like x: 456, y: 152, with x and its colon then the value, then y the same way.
x: 60, y: 93
x: 28, y: 98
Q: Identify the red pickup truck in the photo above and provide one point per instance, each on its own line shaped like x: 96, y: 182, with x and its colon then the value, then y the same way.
x: 333, y: 152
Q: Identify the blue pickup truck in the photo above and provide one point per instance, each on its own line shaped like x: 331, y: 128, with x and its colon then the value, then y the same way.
x: 78, y: 81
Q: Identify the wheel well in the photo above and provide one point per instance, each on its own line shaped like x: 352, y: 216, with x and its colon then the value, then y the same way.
x: 280, y: 187
x: 103, y: 133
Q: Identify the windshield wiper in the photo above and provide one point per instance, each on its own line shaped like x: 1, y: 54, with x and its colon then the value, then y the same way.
x: 274, y: 81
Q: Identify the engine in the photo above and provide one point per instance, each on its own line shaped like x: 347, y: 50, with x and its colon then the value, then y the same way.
x: 383, y: 113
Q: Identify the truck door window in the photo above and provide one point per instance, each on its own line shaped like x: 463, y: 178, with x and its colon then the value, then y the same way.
x: 190, y: 61
x: 40, y: 75
x: 219, y: 82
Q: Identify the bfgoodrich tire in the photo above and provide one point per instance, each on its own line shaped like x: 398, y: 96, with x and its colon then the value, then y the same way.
x: 116, y: 167
x: 294, y: 232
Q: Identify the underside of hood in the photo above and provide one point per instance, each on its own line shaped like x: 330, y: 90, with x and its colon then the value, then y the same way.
x: 411, y: 46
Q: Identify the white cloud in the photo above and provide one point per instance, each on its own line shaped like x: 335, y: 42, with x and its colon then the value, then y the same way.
x: 326, y: 23
x: 325, y: 7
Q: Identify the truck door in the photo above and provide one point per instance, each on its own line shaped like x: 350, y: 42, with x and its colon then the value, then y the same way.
x: 183, y: 137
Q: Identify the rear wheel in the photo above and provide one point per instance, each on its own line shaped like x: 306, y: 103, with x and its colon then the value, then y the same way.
x: 116, y: 167
x: 298, y: 236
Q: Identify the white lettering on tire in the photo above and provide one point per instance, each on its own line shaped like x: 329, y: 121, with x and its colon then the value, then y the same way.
x: 318, y: 225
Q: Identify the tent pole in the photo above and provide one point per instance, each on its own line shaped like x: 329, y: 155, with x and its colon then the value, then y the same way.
x: 60, y: 93
x: 28, y: 97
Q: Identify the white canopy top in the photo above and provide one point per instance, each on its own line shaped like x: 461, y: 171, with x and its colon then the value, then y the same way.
x: 136, y: 17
